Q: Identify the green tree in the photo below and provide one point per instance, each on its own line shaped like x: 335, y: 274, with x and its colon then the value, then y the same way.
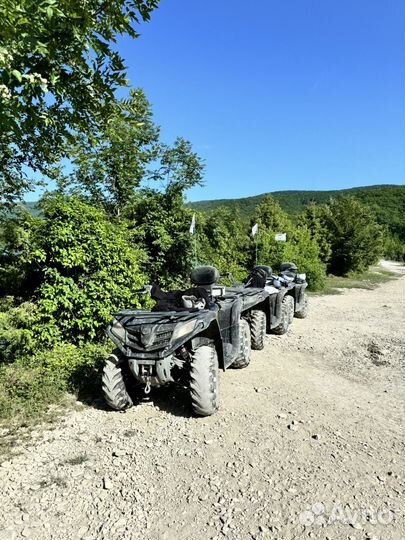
x: 223, y: 242
x: 313, y: 217
x: 159, y: 217
x: 80, y: 268
x: 58, y: 73
x: 300, y: 247
x: 271, y: 219
x: 109, y: 171
x: 394, y: 248
x: 356, y: 238
x: 304, y: 251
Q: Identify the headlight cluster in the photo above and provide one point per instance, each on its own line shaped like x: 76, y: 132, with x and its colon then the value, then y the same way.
x: 118, y: 330
x: 182, y: 329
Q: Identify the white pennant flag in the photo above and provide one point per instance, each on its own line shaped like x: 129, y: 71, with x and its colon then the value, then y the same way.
x: 192, y: 226
x: 255, y: 228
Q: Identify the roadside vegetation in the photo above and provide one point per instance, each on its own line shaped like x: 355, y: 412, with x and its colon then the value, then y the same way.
x: 368, y: 280
x: 116, y: 217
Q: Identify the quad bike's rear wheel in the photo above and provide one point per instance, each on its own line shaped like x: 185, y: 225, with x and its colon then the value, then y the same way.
x: 113, y: 384
x: 303, y: 312
x: 204, y: 380
x: 257, y: 329
x: 287, y: 313
x: 243, y: 359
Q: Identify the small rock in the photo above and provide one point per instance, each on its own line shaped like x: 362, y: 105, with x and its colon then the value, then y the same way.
x: 356, y: 526
x: 316, y: 437
x: 107, y: 484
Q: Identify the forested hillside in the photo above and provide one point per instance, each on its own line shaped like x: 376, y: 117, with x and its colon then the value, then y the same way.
x: 387, y: 201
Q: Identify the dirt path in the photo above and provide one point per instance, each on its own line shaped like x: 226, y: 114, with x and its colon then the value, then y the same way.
x: 308, y: 443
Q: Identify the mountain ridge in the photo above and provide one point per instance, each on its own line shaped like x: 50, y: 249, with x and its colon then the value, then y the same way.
x: 387, y: 201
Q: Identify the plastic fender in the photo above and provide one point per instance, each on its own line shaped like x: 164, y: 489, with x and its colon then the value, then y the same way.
x: 277, y: 308
x: 116, y: 341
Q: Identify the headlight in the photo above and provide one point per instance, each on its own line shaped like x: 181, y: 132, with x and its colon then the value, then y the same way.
x: 182, y: 329
x: 118, y: 330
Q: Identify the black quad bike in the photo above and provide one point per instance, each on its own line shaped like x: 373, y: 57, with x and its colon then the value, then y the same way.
x: 287, y: 298
x: 207, y: 330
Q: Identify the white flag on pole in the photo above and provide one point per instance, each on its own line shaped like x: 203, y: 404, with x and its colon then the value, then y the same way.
x: 192, y: 226
x: 255, y: 228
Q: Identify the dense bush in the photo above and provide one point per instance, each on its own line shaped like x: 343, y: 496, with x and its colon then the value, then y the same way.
x: 300, y: 247
x: 304, y: 252
x: 16, y: 335
x: 394, y: 248
x: 24, y: 393
x: 355, y: 237
x: 223, y: 242
x: 72, y: 367
x: 314, y: 218
x: 88, y: 269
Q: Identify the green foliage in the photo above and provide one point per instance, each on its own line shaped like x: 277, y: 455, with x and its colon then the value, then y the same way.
x: 313, y: 217
x: 387, y: 202
x: 394, y: 248
x: 15, y: 253
x: 58, y: 73
x: 304, y: 251
x: 16, y: 336
x: 89, y: 269
x: 301, y: 247
x: 35, y: 381
x: 72, y: 367
x: 271, y: 220
x: 160, y: 219
x: 356, y: 239
x: 223, y: 242
x: 110, y: 170
x: 25, y: 393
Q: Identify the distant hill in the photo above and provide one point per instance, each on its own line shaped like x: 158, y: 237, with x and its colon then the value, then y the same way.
x: 32, y: 208
x: 388, y: 202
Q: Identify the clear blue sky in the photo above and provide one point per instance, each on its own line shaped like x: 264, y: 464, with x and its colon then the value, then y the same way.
x: 278, y: 94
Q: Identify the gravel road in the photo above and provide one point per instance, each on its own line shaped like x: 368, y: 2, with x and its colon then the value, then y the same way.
x: 309, y: 442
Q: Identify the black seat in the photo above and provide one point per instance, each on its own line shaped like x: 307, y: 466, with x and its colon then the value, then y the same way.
x: 288, y: 267
x: 266, y: 269
x: 204, y: 276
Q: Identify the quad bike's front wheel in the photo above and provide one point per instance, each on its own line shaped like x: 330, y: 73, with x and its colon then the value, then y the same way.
x: 243, y: 359
x: 113, y: 385
x: 287, y: 313
x: 257, y: 329
x: 204, y: 380
x: 303, y: 312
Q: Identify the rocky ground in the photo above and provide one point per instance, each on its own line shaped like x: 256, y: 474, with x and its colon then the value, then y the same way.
x: 309, y: 442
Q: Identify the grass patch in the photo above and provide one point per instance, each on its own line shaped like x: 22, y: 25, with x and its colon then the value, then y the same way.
x: 17, y: 430
x: 368, y: 280
x: 77, y: 460
x: 53, y: 480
